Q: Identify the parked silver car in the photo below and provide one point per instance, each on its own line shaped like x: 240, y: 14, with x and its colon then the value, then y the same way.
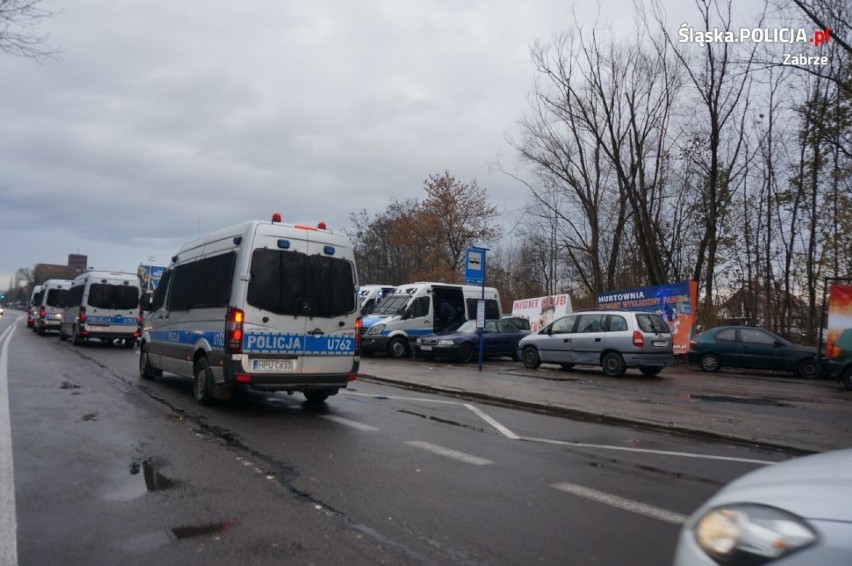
x: 794, y: 513
x: 614, y: 340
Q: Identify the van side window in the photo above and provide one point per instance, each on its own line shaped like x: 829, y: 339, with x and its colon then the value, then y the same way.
x: 292, y: 283
x: 564, y: 325
x: 492, y: 308
x: 202, y: 283
x: 162, y: 288
x: 420, y: 307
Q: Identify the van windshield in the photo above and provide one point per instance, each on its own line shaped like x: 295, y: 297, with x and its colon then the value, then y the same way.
x: 392, y: 304
x: 115, y: 297
x: 293, y: 283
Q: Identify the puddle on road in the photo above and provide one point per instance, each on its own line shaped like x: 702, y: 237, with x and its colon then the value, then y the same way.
x: 729, y: 399
x: 138, y: 484
x: 152, y: 540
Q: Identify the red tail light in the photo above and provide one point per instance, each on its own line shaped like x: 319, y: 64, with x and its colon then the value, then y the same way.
x: 638, y: 339
x: 693, y: 344
x: 358, y: 337
x: 82, y: 317
x: 234, y: 331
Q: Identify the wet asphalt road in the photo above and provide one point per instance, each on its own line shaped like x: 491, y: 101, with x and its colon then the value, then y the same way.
x: 111, y: 470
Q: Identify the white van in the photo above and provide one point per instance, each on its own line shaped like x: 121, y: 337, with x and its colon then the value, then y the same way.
x: 47, y: 311
x: 261, y: 305
x: 421, y: 308
x: 103, y: 305
x: 32, y: 309
x: 369, y: 297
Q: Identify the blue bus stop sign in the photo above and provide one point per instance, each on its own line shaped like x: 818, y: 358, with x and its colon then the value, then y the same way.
x: 474, y: 272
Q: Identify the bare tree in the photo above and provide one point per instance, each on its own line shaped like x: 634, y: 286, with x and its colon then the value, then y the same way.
x: 19, y: 35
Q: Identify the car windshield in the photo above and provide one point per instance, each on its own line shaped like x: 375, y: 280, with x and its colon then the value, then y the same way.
x: 392, y: 304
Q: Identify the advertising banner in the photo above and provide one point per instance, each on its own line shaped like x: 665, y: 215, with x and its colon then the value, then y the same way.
x: 674, y: 301
x: 839, y: 312
x: 149, y: 276
x: 541, y: 311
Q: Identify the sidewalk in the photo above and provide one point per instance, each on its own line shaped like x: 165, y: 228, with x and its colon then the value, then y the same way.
x: 774, y: 410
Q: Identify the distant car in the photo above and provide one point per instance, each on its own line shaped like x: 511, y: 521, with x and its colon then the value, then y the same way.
x: 614, y: 340
x: 798, y: 512
x: 523, y: 324
x: 840, y: 359
x: 750, y: 347
x: 500, y: 338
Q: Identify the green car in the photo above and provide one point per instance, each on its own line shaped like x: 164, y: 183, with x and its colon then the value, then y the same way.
x: 840, y: 359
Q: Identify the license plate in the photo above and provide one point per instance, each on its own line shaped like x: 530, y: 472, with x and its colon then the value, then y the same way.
x: 659, y: 343
x: 426, y: 348
x: 277, y: 366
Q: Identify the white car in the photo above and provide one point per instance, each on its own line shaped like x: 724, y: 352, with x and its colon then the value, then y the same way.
x: 794, y: 513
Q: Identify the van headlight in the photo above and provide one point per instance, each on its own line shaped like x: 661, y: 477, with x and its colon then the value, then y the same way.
x: 750, y: 534
x: 376, y: 329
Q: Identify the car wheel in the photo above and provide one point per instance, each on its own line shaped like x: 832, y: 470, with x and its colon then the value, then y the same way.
x: 567, y: 366
x: 203, y: 387
x: 466, y: 353
x: 531, y: 358
x: 398, y: 347
x: 709, y: 362
x: 613, y: 364
x: 808, y: 369
x: 649, y: 371
x: 846, y: 378
x: 316, y: 395
x: 146, y: 371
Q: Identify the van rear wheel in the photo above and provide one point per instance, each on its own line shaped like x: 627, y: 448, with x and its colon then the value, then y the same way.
x: 203, y: 383
x: 316, y: 395
x: 650, y: 371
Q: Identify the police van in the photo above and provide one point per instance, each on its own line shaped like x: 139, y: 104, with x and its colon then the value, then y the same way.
x: 102, y: 305
x: 369, y: 296
x: 35, y: 298
x: 47, y: 311
x: 261, y: 305
x: 421, y: 308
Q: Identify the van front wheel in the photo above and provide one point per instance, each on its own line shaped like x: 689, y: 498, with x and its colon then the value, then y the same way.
x: 398, y: 347
x: 203, y: 386
x: 531, y: 358
x: 146, y: 371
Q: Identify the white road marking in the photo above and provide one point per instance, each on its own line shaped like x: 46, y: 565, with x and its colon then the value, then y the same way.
x: 449, y: 453
x: 502, y: 429
x: 512, y: 436
x: 622, y: 503
x: 8, y: 518
x: 647, y: 451
x: 349, y: 423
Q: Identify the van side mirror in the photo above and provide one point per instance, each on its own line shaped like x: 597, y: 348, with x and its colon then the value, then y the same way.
x: 146, y: 302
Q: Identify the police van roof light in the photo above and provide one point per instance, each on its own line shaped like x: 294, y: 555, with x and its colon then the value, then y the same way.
x: 276, y: 217
x: 321, y: 225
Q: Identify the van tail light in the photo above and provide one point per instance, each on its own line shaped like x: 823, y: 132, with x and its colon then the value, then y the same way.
x: 358, y: 337
x: 234, y: 331
x: 638, y: 339
x: 81, y: 318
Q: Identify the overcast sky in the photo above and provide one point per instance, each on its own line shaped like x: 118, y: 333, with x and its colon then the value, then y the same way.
x: 164, y: 120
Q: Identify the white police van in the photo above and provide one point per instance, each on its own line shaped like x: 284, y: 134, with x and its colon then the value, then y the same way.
x: 421, y: 308
x: 102, y: 305
x: 35, y: 299
x: 47, y: 311
x: 369, y: 296
x: 260, y: 305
